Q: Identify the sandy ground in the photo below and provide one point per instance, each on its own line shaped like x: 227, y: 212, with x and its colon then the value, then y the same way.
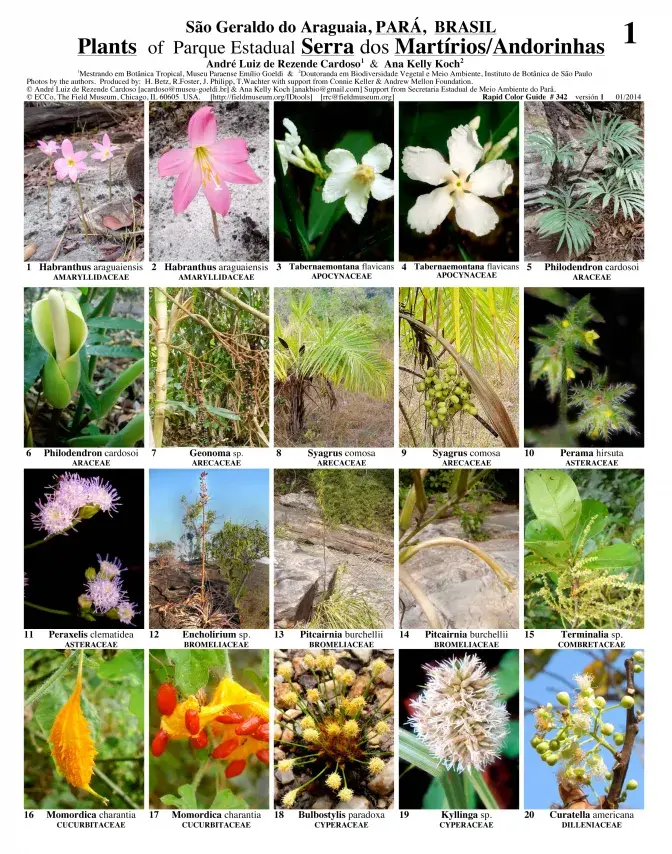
x: 189, y: 236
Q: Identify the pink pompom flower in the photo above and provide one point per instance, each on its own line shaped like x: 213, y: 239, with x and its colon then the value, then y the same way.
x: 71, y: 165
x: 207, y: 163
x: 104, y: 150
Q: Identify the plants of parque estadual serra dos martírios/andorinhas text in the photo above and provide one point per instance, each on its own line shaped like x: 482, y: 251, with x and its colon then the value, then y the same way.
x: 343, y: 738
x: 585, y: 741
x: 573, y: 578
x: 559, y: 360
x: 212, y: 723
x: 343, y: 185
x: 73, y: 343
x: 68, y: 503
x: 568, y: 208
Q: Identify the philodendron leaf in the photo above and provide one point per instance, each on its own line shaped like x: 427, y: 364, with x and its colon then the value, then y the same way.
x: 554, y: 499
x: 593, y: 514
x: 617, y: 556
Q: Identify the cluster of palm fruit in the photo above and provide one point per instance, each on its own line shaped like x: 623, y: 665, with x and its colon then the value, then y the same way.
x: 445, y: 397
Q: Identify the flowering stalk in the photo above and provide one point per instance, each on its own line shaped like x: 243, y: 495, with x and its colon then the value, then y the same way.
x: 81, y: 209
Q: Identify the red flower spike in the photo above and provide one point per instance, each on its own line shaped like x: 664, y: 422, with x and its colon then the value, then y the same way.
x: 198, y: 742
x: 230, y: 717
x: 160, y: 742
x: 225, y: 748
x: 234, y: 768
x: 263, y: 756
x: 261, y: 733
x: 249, y: 726
x: 166, y: 698
x: 191, y: 721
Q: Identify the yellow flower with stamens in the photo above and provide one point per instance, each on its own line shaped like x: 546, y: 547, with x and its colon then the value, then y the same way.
x: 309, y: 661
x: 313, y: 695
x: 285, y: 764
x: 569, y: 374
x: 286, y: 670
x: 378, y: 667
x: 347, y: 678
x: 289, y: 798
x: 311, y: 736
x: 591, y: 336
x: 381, y: 728
x: 376, y: 765
x: 333, y: 781
x: 333, y: 729
x: 345, y: 794
x: 351, y: 729
x: 307, y: 722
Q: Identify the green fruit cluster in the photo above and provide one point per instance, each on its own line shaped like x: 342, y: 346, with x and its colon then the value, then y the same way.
x: 446, y: 394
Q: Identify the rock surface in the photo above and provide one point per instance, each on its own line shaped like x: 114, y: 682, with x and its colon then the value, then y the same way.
x: 299, y: 579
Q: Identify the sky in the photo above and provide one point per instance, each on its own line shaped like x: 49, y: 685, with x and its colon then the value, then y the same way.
x: 236, y: 496
x: 540, y: 782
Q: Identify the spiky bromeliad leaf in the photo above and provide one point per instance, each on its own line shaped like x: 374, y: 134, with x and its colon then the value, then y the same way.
x: 569, y: 217
x: 616, y: 135
x: 628, y: 200
x: 549, y: 150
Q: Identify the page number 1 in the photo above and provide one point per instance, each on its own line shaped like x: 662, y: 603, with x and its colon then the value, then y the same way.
x: 631, y: 36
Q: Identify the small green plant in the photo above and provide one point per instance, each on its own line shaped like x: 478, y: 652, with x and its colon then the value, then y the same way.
x: 344, y: 608
x: 567, y: 206
x: 581, y: 581
x: 473, y: 514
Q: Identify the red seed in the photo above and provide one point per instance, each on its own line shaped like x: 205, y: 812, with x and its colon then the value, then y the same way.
x: 166, y: 698
x: 160, y: 742
x: 261, y: 733
x: 230, y: 717
x: 191, y: 721
x: 233, y: 769
x: 198, y: 742
x: 249, y: 726
x: 262, y: 755
x: 225, y: 748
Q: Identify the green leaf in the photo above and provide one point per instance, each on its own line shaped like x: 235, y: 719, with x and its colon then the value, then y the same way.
x: 261, y: 682
x: 511, y: 746
x: 127, y: 437
x: 226, y: 800
x: 128, y: 662
x: 554, y: 499
x: 435, y: 797
x: 413, y: 751
x: 506, y: 675
x: 618, y: 556
x: 112, y: 351
x: 90, y: 398
x: 136, y: 705
x: 184, y: 800
x: 180, y: 404
x: 115, y: 323
x: 111, y: 394
x: 222, y: 413
x: 286, y: 196
x: 34, y: 355
x: 192, y: 667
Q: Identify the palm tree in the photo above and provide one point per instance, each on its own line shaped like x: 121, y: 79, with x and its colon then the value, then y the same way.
x: 321, y: 354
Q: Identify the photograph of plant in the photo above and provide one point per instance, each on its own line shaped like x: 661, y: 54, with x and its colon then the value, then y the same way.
x: 584, y: 181
x: 585, y: 355
x: 205, y: 162
x: 458, y: 367
x: 83, y: 549
x: 334, y: 729
x: 209, y: 721
x: 209, y: 364
x: 584, y: 719
x: 468, y: 151
x: 334, y: 181
x: 333, y: 361
x: 84, y: 181
x: 209, y: 562
x: 83, y: 729
x: 458, y: 548
x: 584, y: 549
x: 334, y: 549
x: 459, y: 739
x: 83, y: 367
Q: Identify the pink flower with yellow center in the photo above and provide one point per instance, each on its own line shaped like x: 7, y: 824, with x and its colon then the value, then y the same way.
x: 49, y: 148
x: 207, y: 163
x: 71, y: 164
x: 104, y: 150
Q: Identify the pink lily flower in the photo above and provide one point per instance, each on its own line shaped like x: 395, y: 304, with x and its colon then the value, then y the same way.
x: 49, y: 148
x: 104, y: 150
x: 208, y: 164
x: 71, y: 164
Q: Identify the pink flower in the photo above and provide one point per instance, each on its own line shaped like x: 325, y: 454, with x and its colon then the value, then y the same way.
x: 104, y: 151
x: 208, y: 164
x: 72, y: 162
x: 49, y: 148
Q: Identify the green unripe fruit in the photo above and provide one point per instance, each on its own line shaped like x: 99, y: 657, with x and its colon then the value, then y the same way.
x: 536, y: 739
x: 607, y: 729
x: 555, y: 744
x: 627, y: 702
x: 452, y: 370
x: 542, y: 747
x: 631, y: 785
x: 430, y: 372
x: 600, y: 702
x: 427, y: 404
x: 552, y: 759
x: 619, y: 738
x: 608, y: 776
x: 639, y: 657
x: 563, y: 698
x: 454, y: 399
x: 431, y: 392
x: 638, y: 668
x: 420, y: 387
x: 442, y: 416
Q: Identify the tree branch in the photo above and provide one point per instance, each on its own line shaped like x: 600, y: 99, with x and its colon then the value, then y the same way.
x: 620, y: 768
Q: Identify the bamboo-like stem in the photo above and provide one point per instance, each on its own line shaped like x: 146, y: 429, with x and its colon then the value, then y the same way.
x: 240, y: 304
x: 215, y: 224
x: 161, y: 379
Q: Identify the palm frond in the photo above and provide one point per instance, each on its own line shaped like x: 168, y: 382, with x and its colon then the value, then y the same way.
x: 549, y: 150
x: 569, y: 217
x: 629, y: 201
x: 616, y: 135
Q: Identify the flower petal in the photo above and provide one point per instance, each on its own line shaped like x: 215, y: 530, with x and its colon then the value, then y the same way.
x: 219, y: 197
x: 464, y: 149
x: 235, y: 173
x: 379, y: 157
x: 202, y: 128
x: 336, y: 186
x: 425, y: 164
x: 233, y: 149
x: 79, y: 155
x: 175, y: 161
x: 474, y: 215
x: 186, y: 187
x: 341, y: 160
x: 382, y: 188
x: 292, y: 137
x: 357, y: 200
x: 430, y: 210
x: 66, y: 148
x: 492, y: 179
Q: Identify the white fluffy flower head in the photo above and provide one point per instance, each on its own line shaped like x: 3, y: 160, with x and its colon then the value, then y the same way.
x: 458, y: 715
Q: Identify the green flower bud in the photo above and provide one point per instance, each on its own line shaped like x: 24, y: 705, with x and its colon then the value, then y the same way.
x: 639, y: 657
x: 563, y: 698
x: 88, y: 511
x: 627, y: 702
x: 61, y: 330
x: 608, y: 776
x: 607, y: 729
x: 542, y: 747
x: 619, y: 738
x: 600, y: 702
x: 631, y: 785
x: 85, y: 603
x: 555, y: 744
x: 638, y: 668
x: 552, y: 759
x: 537, y: 739
x: 90, y: 573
